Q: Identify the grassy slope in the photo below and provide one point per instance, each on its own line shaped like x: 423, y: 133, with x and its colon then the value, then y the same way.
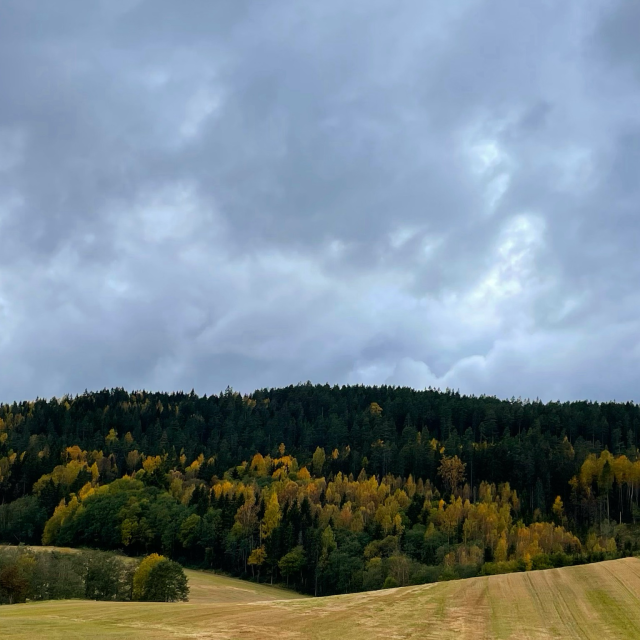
x: 207, y: 588
x: 599, y: 601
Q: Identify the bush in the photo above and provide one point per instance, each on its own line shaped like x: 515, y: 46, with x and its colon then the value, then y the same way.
x: 542, y: 561
x: 424, y: 574
x: 158, y: 579
x: 167, y: 583
x: 390, y: 583
x: 467, y: 570
x: 561, y: 560
x: 448, y: 573
x: 495, y: 568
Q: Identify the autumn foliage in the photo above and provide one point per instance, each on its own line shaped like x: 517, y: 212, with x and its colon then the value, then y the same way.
x: 361, y: 496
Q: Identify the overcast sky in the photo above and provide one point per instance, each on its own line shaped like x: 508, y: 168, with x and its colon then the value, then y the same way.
x: 198, y: 194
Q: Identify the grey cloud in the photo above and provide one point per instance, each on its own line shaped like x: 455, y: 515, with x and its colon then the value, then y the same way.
x: 254, y: 194
x: 617, y: 34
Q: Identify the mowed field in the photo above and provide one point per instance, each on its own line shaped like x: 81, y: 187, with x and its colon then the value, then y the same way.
x: 599, y: 601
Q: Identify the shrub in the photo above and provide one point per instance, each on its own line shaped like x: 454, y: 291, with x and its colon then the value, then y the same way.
x: 390, y: 583
x: 166, y: 583
x: 158, y: 579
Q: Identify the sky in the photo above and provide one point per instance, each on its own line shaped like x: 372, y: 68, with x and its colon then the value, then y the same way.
x: 254, y: 194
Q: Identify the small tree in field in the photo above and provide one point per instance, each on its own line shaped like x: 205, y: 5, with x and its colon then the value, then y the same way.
x: 13, y: 585
x: 158, y: 579
x: 166, y: 582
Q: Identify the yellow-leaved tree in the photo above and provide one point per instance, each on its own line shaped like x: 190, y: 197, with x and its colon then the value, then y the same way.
x: 141, y: 575
x: 318, y: 460
x: 256, y: 559
x: 271, y: 517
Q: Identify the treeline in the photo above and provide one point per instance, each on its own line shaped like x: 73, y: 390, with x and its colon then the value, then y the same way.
x: 56, y: 575
x: 519, y: 442
x: 326, y: 489
x: 37, y: 574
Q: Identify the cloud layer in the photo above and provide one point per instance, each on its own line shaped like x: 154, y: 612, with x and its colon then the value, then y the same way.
x: 198, y: 194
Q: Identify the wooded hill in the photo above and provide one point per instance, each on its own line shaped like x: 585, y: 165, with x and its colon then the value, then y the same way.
x: 331, y: 489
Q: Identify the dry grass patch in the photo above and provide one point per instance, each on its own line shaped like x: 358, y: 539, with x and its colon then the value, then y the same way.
x: 598, y: 601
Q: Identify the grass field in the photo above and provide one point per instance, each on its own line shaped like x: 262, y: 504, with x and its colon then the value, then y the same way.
x: 598, y: 601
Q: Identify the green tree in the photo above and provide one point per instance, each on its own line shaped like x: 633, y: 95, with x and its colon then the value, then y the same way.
x: 292, y: 563
x: 13, y: 585
x: 22, y: 520
x: 166, y: 582
x: 190, y: 531
x: 108, y: 577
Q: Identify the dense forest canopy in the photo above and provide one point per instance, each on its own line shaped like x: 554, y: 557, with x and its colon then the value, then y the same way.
x: 330, y: 489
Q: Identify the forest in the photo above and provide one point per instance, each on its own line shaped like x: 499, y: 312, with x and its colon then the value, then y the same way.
x: 325, y: 489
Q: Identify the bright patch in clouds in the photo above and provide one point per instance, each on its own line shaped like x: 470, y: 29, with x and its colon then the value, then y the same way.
x: 200, y: 107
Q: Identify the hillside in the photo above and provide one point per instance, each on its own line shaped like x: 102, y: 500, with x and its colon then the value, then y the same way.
x: 205, y: 587
x: 592, y: 601
x: 331, y: 490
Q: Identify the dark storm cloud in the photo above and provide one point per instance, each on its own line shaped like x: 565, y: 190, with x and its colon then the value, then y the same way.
x: 200, y: 194
x: 618, y: 35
